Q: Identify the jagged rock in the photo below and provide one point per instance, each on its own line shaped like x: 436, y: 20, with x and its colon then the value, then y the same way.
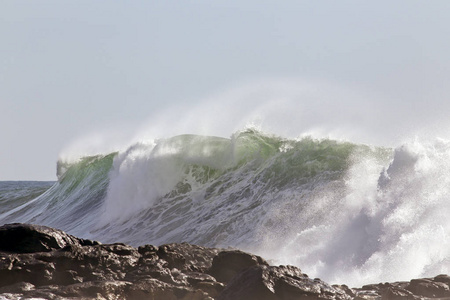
x: 392, y: 293
x: 205, y: 282
x: 276, y: 283
x: 187, y: 257
x: 345, y: 289
x: 367, y: 295
x: 48, y: 263
x: 96, y: 289
x: 437, y: 287
x: 153, y: 289
x: 148, y: 251
x: 38, y: 262
x: 27, y: 238
x: 18, y: 287
x: 429, y: 288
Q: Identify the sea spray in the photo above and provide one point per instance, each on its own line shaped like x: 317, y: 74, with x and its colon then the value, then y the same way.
x: 391, y: 223
x: 145, y: 173
x: 344, y: 212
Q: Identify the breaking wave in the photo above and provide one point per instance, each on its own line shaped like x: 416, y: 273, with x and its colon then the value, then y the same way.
x: 344, y: 212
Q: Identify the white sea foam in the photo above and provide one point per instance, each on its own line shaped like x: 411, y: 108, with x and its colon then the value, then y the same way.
x: 383, y: 228
x: 381, y: 218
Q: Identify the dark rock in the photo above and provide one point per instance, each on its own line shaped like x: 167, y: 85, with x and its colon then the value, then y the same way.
x: 229, y: 263
x: 205, y: 282
x: 213, y: 289
x: 344, y: 288
x: 155, y: 289
x: 66, y: 277
x: 26, y: 269
x: 392, y: 293
x: 48, y: 263
x: 121, y: 249
x: 38, y: 262
x: 442, y: 278
x: 26, y: 238
x: 17, y: 288
x: 369, y: 287
x: 173, y: 257
x: 148, y: 251
x: 367, y: 295
x: 415, y: 289
x: 96, y: 289
x: 187, y: 257
x: 276, y: 283
x: 429, y: 288
x: 196, y: 277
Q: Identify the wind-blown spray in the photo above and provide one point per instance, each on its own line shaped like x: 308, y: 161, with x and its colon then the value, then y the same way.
x: 346, y: 212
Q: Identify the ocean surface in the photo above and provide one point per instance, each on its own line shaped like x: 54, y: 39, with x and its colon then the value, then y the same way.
x: 341, y: 211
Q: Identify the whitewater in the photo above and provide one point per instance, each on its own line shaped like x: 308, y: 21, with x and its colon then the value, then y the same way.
x: 344, y: 211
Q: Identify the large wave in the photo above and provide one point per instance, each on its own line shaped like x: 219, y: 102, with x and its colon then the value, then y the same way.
x: 344, y: 212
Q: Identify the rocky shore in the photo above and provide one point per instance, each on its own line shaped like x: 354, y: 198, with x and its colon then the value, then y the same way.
x: 38, y: 262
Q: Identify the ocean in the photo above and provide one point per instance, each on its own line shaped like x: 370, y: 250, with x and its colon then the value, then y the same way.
x: 341, y: 211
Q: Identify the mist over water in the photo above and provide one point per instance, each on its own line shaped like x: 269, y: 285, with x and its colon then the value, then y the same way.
x: 349, y: 186
x: 290, y: 108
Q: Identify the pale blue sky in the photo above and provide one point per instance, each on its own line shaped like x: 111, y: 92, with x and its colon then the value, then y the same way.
x: 70, y: 68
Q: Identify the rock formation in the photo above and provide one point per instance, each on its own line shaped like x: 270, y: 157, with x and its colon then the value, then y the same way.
x: 43, y: 263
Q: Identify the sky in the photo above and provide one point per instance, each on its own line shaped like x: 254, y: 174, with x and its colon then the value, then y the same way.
x: 95, y: 72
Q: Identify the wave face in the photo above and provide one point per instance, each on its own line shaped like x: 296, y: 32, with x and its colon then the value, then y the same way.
x: 73, y: 202
x: 344, y: 212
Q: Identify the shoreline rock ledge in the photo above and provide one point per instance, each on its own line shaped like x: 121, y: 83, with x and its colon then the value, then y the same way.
x: 39, y: 262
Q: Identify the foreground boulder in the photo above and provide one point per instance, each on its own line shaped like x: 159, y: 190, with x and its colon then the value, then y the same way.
x: 26, y: 238
x: 39, y: 262
x: 227, y: 264
x: 275, y: 283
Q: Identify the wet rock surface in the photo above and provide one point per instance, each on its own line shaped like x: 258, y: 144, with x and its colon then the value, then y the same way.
x: 38, y: 262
